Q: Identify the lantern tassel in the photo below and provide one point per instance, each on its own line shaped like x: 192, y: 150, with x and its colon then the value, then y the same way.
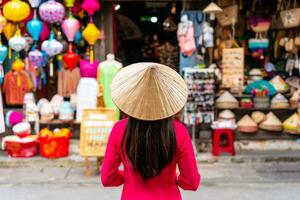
x: 51, y: 69
x: 9, y: 53
x: 91, y: 55
x: 18, y: 80
x: 1, y: 73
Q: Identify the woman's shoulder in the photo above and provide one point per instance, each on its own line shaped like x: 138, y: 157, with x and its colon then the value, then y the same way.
x: 180, y: 130
x: 119, y: 128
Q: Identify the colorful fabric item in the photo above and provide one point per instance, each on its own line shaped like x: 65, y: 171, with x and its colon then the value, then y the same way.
x: 87, y: 92
x: 164, y: 186
x: 108, y: 71
x: 16, y: 84
x: 68, y: 81
x: 2, y: 122
x: 185, y: 35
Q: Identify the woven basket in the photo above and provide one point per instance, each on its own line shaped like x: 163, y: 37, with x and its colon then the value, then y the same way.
x: 247, y: 129
x: 261, y: 102
x: 270, y: 128
x: 227, y: 105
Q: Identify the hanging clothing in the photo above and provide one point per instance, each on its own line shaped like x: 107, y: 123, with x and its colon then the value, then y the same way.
x: 108, y: 70
x: 16, y: 84
x: 2, y: 122
x: 87, y: 92
x: 166, y: 185
x: 185, y: 35
x: 68, y: 81
x: 169, y: 55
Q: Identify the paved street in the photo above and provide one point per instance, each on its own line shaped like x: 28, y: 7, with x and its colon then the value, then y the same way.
x: 247, y: 181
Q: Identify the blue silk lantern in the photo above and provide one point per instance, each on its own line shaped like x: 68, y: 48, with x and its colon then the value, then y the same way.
x: 78, y: 37
x: 34, y: 28
x: 3, y: 55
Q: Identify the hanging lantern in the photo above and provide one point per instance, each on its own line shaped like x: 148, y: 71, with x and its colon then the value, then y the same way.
x: 3, y: 22
x: 34, y: 3
x: 212, y: 9
x: 18, y: 65
x: 3, y: 55
x: 78, y: 37
x: 69, y: 3
x: 90, y: 6
x: 17, y: 43
x: 45, y: 33
x: 70, y: 26
x: 52, y: 11
x: 70, y: 59
x: 91, y: 34
x: 16, y: 10
x: 52, y: 47
x: 9, y: 30
x: 36, y: 58
x: 34, y: 28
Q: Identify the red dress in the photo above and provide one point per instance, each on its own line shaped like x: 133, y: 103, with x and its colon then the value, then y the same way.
x: 162, y: 187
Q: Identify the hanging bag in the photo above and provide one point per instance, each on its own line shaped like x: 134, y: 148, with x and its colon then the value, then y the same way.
x: 258, y: 43
x: 229, y: 16
x: 291, y: 16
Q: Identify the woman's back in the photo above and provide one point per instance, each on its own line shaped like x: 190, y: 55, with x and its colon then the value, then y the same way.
x: 161, y: 187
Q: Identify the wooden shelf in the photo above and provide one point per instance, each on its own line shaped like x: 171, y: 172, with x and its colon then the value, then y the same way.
x: 58, y: 122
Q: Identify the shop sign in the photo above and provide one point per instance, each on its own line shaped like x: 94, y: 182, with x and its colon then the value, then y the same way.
x: 95, y: 128
x: 233, y: 68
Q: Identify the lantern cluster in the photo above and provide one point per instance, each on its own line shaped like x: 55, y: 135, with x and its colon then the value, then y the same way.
x: 36, y: 28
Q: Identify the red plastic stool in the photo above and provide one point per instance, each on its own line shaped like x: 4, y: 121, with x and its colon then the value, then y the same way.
x: 221, y: 148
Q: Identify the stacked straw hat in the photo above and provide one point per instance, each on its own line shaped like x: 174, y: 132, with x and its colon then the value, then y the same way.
x: 149, y: 91
x: 227, y: 115
x: 294, y: 99
x: 258, y: 117
x: 272, y: 123
x: 247, y: 125
x: 279, y: 84
x: 290, y: 125
x: 279, y: 101
x: 227, y: 101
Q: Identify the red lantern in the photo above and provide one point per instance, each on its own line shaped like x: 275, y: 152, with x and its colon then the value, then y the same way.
x: 71, y: 59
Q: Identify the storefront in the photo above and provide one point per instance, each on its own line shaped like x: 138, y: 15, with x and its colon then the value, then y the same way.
x: 240, y: 60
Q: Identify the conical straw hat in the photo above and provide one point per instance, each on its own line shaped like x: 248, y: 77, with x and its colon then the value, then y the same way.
x: 246, y: 121
x: 295, y: 96
x: 212, y: 8
x: 149, y: 91
x: 226, y: 97
x: 279, y: 98
x: 258, y: 116
x: 271, y: 120
x: 292, y: 122
x: 226, y: 114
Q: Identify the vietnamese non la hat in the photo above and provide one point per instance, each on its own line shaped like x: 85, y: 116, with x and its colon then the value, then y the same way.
x: 149, y: 91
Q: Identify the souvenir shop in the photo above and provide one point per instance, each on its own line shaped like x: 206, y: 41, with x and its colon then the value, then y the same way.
x: 239, y: 58
x: 241, y: 64
x: 50, y: 71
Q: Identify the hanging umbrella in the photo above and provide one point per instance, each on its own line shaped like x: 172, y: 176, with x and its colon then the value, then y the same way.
x: 260, y: 85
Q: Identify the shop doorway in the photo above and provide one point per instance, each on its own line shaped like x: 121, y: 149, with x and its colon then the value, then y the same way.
x: 143, y: 28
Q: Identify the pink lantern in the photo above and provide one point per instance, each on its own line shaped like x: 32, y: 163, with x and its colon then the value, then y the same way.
x: 36, y: 58
x: 70, y: 26
x: 45, y: 31
x: 90, y: 6
x: 87, y: 69
x: 52, y: 11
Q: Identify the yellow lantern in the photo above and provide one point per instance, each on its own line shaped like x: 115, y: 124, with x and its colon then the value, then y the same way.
x: 9, y: 30
x: 91, y: 34
x: 2, y: 23
x: 69, y: 3
x: 18, y: 65
x: 16, y: 10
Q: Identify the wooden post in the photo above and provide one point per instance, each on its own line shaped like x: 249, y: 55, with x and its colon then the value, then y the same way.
x: 87, y: 166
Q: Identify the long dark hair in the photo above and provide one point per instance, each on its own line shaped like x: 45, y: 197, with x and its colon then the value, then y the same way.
x: 150, y: 145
